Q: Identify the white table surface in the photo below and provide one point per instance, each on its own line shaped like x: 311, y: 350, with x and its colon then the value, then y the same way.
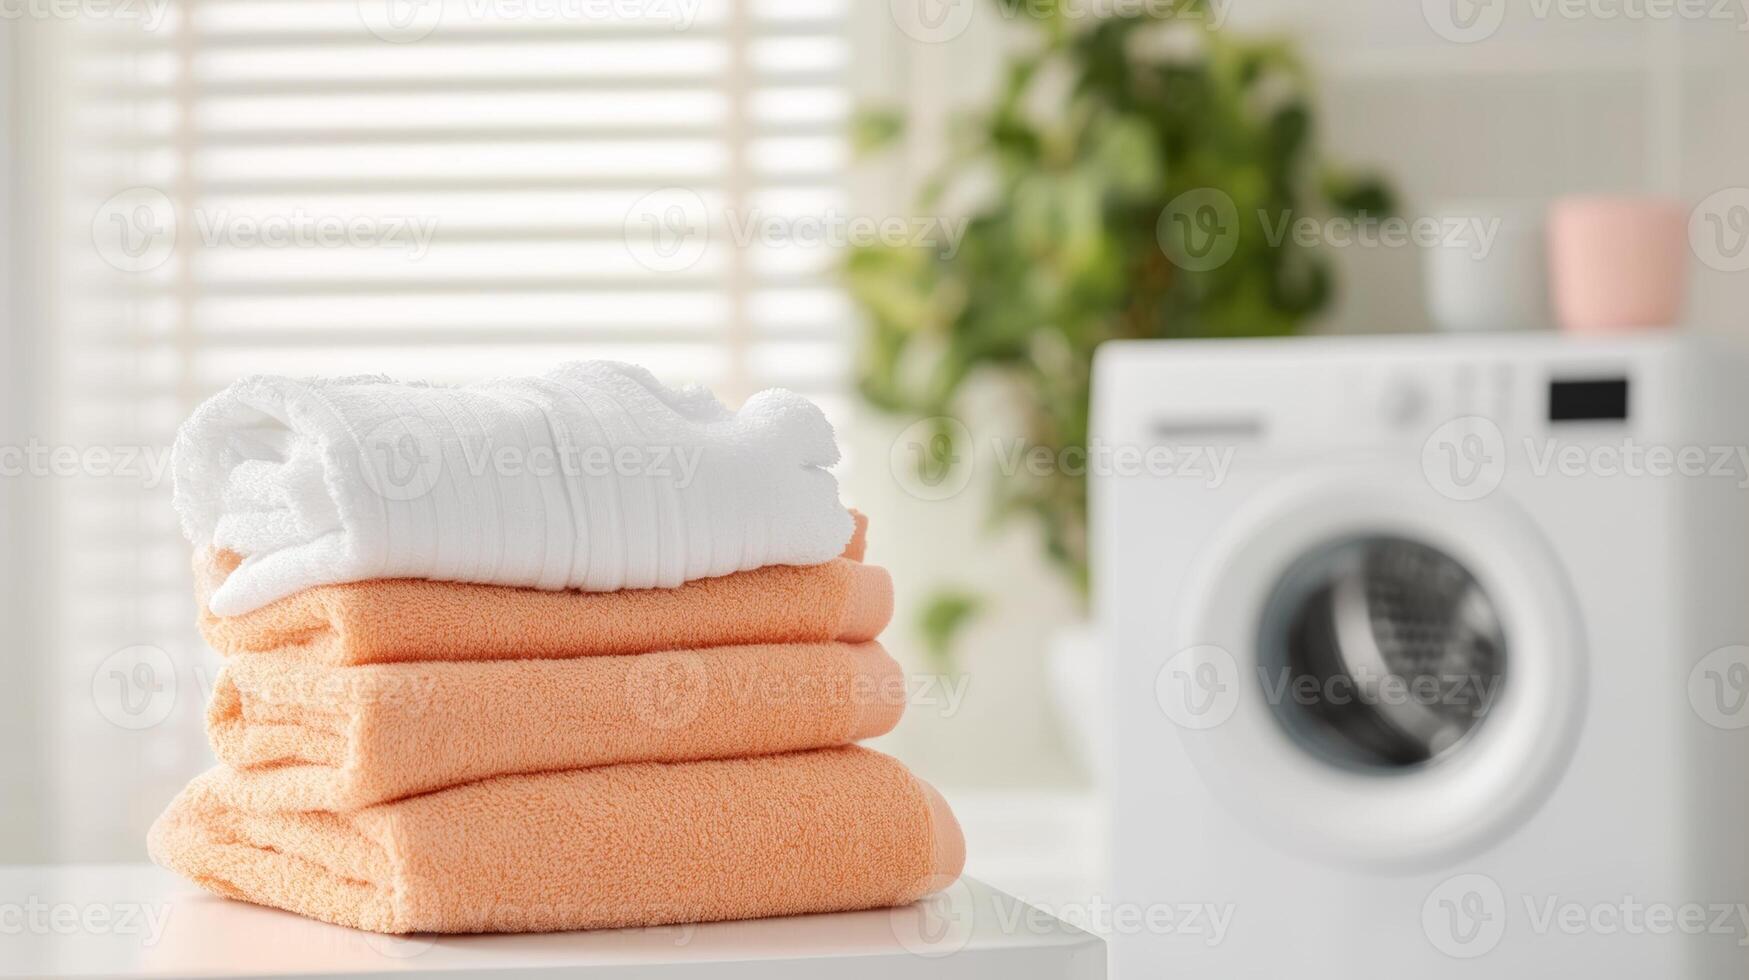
x: 135, y: 920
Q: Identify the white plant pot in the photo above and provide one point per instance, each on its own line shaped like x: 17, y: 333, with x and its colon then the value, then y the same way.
x: 1492, y: 274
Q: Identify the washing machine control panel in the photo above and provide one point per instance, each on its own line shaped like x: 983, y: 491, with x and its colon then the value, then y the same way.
x: 1411, y: 400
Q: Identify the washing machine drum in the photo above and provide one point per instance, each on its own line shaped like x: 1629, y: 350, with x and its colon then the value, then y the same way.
x: 1391, y: 651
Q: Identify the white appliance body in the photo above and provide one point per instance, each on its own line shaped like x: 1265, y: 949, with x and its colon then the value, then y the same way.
x: 1595, y: 821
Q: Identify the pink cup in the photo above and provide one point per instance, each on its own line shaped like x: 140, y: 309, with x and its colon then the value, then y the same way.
x: 1617, y: 263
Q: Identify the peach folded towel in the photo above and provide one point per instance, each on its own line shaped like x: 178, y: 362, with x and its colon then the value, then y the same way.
x: 306, y: 736
x: 633, y: 845
x: 386, y: 620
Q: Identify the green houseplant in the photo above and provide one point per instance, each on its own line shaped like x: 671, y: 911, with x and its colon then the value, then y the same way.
x: 1092, y: 179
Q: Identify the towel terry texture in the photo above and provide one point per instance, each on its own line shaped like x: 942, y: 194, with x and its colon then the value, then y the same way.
x: 636, y: 844
x: 303, y: 736
x: 593, y: 476
x: 409, y: 619
x: 566, y: 652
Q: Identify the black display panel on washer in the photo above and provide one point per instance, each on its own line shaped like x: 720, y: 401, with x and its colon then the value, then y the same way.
x: 1598, y: 400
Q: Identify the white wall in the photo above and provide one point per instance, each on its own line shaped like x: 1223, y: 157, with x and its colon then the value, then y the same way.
x: 24, y: 763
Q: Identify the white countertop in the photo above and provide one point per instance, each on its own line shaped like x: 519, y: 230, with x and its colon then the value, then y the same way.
x: 135, y: 920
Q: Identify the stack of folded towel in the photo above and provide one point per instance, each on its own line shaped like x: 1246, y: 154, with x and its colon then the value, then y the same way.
x: 476, y: 682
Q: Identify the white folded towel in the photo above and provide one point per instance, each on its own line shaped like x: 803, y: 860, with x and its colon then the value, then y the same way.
x: 594, y: 476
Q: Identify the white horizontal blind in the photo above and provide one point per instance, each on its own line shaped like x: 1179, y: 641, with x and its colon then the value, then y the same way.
x: 442, y: 189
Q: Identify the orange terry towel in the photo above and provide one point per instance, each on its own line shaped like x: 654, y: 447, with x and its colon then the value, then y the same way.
x: 387, y: 620
x: 631, y: 845
x: 306, y: 736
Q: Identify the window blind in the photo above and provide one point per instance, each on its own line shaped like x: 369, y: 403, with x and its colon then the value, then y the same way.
x: 440, y: 189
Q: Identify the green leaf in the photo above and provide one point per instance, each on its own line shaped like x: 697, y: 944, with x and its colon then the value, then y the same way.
x: 873, y: 129
x: 1356, y: 194
x: 944, y: 616
x: 1096, y: 126
x: 1126, y: 157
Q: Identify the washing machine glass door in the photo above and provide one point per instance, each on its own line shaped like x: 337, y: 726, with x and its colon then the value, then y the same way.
x: 1390, y: 649
x: 1409, y: 668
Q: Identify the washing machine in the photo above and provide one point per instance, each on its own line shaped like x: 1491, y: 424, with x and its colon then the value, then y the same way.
x: 1429, y: 656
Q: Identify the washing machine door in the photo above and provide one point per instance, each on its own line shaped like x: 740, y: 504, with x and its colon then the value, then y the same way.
x: 1406, y: 672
